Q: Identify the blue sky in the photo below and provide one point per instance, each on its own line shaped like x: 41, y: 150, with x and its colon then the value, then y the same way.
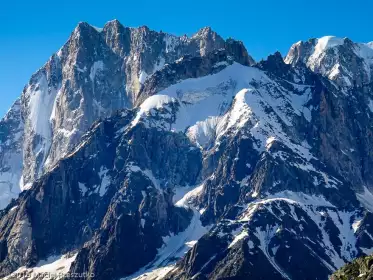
x: 30, y: 31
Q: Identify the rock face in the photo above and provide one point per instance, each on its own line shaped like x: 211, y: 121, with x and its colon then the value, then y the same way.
x: 168, y: 157
x: 11, y: 139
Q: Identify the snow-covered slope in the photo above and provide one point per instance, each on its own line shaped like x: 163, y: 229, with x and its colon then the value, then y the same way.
x: 207, y: 107
x: 55, y: 267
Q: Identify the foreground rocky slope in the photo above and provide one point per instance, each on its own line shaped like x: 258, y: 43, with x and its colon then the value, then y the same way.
x: 360, y: 268
x: 222, y: 170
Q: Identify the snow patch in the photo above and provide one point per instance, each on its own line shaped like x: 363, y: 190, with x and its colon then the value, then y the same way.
x: 105, y: 180
x: 370, y: 105
x: 327, y: 42
x: 366, y: 199
x: 142, y: 77
x: 187, y: 197
x: 153, y: 102
x: 96, y: 68
x: 54, y: 266
x: 238, y: 237
x: 40, y: 106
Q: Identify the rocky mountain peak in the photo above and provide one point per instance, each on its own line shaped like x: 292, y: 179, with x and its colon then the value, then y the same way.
x: 238, y: 49
x: 83, y: 27
x: 275, y: 59
x: 206, y: 32
x: 339, y: 59
x: 113, y: 22
x: 117, y: 37
x: 83, y: 36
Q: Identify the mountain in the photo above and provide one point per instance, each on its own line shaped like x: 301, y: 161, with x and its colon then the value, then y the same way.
x: 95, y: 73
x: 190, y: 161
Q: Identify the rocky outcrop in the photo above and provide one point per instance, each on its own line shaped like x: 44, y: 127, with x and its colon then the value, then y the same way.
x: 358, y: 269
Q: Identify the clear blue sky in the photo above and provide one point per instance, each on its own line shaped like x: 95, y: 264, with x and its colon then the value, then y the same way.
x: 30, y: 31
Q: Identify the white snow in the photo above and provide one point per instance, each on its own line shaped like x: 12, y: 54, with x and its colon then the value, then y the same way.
x: 148, y: 173
x: 221, y: 63
x: 11, y: 157
x: 23, y: 186
x: 153, y: 102
x: 13, y: 208
x: 40, y: 107
x: 205, y: 111
x: 105, y: 180
x: 187, y: 197
x: 96, y: 68
x: 238, y: 237
x: 205, y: 97
x: 83, y: 187
x: 367, y: 251
x: 255, y: 194
x: 264, y: 238
x: 370, y: 105
x: 330, y: 64
x: 203, y: 132
x: 171, y: 42
x: 289, y: 197
x: 55, y: 105
x: 326, y: 42
x: 98, y: 29
x: 269, y: 141
x: 143, y: 76
x: 54, y: 267
x: 366, y: 199
x: 9, y: 180
x: 40, y: 103
x: 311, y: 205
x: 346, y: 233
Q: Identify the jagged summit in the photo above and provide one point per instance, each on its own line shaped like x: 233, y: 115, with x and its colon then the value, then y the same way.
x: 116, y: 24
